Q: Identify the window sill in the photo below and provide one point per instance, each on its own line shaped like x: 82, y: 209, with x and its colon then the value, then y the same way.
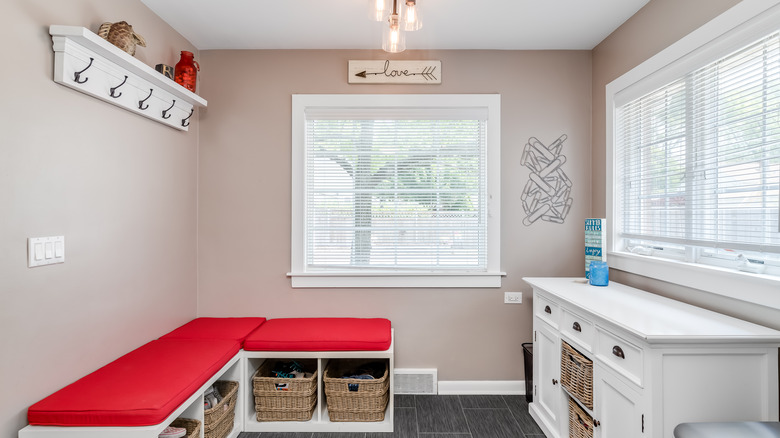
x: 399, y: 280
x: 742, y: 286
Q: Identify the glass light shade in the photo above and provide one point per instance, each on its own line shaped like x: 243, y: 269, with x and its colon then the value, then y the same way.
x: 393, y: 37
x: 378, y: 10
x: 412, y: 18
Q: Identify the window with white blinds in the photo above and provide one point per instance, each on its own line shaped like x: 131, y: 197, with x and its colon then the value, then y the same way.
x: 388, y: 189
x: 697, y: 164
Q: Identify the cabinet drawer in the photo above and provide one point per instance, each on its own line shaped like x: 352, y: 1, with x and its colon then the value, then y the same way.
x: 621, y: 355
x: 546, y: 310
x: 578, y: 329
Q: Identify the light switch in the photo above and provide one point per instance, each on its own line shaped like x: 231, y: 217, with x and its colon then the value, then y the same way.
x: 45, y: 250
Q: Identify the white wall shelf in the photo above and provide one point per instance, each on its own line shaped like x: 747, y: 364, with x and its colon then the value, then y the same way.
x: 88, y: 63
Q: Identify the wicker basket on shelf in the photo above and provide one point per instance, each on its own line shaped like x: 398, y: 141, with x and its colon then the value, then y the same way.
x: 577, y: 374
x: 218, y: 420
x: 355, y: 399
x: 580, y: 423
x: 192, y: 426
x: 285, y: 399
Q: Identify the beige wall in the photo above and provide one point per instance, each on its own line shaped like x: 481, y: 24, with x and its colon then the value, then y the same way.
x: 120, y: 188
x: 244, y: 199
x: 656, y: 26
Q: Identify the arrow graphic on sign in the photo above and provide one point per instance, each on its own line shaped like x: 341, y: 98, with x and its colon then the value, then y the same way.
x: 428, y: 72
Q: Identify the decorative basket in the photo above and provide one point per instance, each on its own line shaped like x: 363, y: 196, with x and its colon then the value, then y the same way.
x: 580, y: 423
x: 223, y: 428
x: 192, y: 426
x: 336, y: 385
x: 285, y: 399
x: 121, y: 35
x: 373, y: 409
x: 355, y: 399
x: 218, y: 420
x: 263, y: 383
x: 264, y: 414
x: 577, y: 374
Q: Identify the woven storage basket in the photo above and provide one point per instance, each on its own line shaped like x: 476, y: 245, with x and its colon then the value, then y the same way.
x: 263, y: 383
x: 580, y: 423
x: 192, y: 426
x: 265, y: 414
x: 285, y: 399
x: 374, y: 410
x: 223, y: 428
x: 219, y: 417
x: 355, y: 399
x: 335, y: 385
x: 577, y: 374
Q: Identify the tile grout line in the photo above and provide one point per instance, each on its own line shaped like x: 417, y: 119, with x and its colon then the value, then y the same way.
x: 463, y: 412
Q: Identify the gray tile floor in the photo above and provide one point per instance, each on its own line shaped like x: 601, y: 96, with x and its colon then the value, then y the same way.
x: 446, y: 416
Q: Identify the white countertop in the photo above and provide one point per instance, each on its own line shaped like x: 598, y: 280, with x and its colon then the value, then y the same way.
x: 651, y: 317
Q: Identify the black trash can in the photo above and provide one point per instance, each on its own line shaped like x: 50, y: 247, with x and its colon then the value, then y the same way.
x: 528, y: 362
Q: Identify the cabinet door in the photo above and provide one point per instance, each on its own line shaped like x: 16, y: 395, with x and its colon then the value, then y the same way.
x: 617, y: 407
x: 547, y: 373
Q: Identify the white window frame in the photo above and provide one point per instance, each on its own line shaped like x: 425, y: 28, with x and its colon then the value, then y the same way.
x: 491, y: 277
x: 740, y: 25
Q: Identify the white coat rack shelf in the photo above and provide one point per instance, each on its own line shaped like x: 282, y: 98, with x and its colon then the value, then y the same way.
x: 87, y: 63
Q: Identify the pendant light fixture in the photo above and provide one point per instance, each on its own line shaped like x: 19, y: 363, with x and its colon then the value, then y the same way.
x: 393, y: 38
x: 412, y: 19
x: 378, y: 10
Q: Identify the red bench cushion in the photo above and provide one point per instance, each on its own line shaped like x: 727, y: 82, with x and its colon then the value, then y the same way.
x: 236, y: 329
x: 321, y: 334
x: 141, y: 388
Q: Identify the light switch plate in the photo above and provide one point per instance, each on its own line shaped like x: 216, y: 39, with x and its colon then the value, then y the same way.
x: 45, y: 250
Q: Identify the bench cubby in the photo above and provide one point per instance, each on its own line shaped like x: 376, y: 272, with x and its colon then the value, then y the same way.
x: 320, y: 421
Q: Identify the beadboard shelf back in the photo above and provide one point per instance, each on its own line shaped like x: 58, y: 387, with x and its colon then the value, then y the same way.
x: 87, y: 63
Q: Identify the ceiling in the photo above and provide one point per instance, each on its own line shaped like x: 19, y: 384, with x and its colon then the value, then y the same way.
x: 344, y: 24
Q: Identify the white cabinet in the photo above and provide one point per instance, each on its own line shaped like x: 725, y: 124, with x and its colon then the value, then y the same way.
x: 656, y: 362
x: 617, y: 406
x: 547, y: 371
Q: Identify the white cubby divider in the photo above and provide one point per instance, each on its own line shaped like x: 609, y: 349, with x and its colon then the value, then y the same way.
x: 88, y: 63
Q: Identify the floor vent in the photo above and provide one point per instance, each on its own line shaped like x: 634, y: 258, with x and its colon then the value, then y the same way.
x: 416, y: 381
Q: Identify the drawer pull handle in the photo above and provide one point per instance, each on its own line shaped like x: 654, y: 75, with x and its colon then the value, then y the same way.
x: 617, y: 351
x: 547, y: 310
x: 576, y: 327
x: 596, y: 423
x: 555, y: 382
x: 575, y: 361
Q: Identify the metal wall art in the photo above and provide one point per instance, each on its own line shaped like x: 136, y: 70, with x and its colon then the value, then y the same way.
x: 547, y: 194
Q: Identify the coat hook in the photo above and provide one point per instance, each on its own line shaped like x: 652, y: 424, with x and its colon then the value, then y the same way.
x: 113, y: 89
x: 141, y: 105
x: 165, y: 114
x: 77, y: 75
x: 184, y: 122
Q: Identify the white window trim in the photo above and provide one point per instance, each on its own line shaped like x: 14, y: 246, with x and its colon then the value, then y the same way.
x: 746, y: 21
x: 300, y: 278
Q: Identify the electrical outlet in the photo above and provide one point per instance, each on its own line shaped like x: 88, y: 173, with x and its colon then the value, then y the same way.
x: 513, y: 297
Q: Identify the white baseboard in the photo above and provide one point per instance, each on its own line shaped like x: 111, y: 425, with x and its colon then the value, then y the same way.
x: 482, y: 387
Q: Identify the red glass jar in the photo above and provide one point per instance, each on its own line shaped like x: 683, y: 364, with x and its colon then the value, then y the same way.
x: 186, y: 71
